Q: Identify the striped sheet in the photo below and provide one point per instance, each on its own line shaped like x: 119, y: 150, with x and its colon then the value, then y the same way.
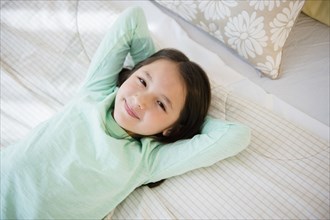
x: 42, y: 63
x: 284, y: 173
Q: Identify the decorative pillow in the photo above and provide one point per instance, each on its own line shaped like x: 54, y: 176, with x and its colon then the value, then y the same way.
x: 318, y: 10
x: 255, y: 29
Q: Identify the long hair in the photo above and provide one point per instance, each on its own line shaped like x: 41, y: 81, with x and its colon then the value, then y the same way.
x: 198, y: 95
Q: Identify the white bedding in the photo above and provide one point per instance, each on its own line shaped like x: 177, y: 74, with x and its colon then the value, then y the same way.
x: 46, y: 47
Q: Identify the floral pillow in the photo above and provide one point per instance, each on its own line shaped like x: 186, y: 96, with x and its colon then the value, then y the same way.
x: 255, y: 29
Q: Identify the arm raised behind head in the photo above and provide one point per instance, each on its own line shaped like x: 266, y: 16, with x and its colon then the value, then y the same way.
x: 218, y: 140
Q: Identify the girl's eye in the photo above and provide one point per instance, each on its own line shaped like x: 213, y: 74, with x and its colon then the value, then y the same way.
x: 142, y: 82
x: 161, y: 105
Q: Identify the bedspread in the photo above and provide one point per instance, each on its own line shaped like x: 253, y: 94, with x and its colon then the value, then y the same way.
x: 284, y: 174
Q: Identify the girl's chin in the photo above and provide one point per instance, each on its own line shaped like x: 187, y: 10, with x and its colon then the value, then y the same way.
x: 120, y: 120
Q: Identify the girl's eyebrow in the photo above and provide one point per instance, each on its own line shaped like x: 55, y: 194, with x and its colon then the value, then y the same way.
x: 169, y: 103
x: 148, y: 75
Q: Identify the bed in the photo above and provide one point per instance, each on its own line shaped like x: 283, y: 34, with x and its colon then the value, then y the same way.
x: 46, y: 47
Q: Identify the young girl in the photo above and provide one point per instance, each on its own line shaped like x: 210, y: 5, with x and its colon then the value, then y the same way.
x: 84, y: 161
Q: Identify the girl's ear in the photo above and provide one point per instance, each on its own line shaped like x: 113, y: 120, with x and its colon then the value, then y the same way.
x: 167, y: 132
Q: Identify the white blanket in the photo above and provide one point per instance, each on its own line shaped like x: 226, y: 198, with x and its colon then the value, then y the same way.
x: 45, y: 52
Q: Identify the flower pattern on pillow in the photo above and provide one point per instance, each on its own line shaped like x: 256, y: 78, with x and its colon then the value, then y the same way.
x: 246, y: 34
x: 212, y: 29
x: 262, y: 4
x: 271, y: 65
x: 256, y: 29
x: 187, y: 9
x: 282, y: 24
x: 216, y: 9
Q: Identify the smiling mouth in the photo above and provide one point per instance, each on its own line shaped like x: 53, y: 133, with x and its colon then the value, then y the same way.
x: 130, y: 111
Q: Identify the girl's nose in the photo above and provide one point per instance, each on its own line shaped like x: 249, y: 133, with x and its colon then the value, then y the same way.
x: 142, y: 101
x: 141, y: 105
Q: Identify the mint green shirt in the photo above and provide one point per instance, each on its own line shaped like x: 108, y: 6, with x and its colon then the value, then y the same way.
x: 81, y: 164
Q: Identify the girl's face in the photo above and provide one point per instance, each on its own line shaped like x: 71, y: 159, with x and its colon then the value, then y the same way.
x: 151, y: 99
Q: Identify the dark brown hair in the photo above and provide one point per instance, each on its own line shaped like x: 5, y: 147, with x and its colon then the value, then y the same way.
x: 198, y: 95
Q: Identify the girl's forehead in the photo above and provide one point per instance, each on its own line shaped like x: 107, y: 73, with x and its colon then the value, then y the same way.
x: 164, y: 63
x: 165, y: 70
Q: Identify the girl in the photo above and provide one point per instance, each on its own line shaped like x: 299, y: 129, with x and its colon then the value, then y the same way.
x: 108, y: 141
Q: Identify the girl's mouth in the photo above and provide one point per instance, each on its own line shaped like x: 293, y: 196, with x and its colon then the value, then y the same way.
x: 130, y: 111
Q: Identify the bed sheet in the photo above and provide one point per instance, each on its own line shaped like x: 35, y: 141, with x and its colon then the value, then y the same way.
x: 46, y: 48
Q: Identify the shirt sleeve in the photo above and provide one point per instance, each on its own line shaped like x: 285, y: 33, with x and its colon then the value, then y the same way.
x: 217, y: 141
x: 129, y: 34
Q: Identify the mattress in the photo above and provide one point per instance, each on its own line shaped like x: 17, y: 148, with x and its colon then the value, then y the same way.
x: 46, y: 47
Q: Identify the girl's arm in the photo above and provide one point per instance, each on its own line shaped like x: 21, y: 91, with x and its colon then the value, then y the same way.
x: 129, y: 34
x: 217, y: 141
